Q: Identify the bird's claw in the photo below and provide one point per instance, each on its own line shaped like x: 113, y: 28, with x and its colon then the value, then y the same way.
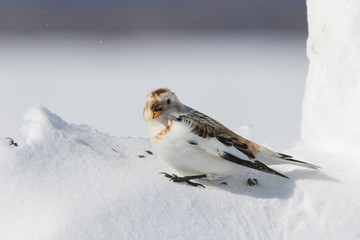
x: 166, y: 174
x: 175, y: 178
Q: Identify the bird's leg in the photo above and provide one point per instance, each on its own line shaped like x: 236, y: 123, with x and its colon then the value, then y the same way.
x: 252, y: 182
x: 186, y: 179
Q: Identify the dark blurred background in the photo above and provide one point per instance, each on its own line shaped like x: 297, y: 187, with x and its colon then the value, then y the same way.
x: 131, y: 15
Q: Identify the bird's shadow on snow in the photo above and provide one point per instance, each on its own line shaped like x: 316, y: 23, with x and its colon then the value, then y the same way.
x: 269, y: 186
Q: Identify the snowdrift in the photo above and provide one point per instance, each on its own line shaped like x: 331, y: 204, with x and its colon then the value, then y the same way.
x: 73, y: 182
x: 331, y: 106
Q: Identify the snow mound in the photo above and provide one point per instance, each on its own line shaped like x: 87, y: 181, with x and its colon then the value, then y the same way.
x: 331, y: 107
x: 73, y: 182
x: 40, y: 124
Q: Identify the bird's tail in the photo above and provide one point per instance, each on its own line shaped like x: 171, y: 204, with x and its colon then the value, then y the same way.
x: 273, y: 158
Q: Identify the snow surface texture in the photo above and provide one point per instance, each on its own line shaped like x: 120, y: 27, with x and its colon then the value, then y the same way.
x: 331, y: 108
x: 73, y: 182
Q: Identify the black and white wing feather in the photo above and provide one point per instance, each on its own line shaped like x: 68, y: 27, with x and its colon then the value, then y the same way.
x: 222, y: 142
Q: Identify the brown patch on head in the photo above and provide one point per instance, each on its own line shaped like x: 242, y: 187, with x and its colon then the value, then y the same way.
x: 160, y: 91
x: 162, y: 133
x: 164, y: 99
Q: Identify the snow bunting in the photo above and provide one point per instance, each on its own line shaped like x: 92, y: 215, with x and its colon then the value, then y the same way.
x: 200, y: 147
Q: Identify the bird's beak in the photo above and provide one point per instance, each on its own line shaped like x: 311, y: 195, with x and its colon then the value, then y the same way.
x: 155, y: 110
x: 155, y: 114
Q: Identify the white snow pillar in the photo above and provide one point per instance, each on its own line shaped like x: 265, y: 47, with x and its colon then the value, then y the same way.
x: 331, y: 106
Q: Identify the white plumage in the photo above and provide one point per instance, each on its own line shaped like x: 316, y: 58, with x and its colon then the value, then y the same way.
x: 198, y: 146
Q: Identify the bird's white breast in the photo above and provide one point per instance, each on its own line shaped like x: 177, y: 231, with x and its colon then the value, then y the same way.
x: 203, y: 158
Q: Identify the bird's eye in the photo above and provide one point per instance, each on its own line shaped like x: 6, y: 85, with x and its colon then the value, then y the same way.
x: 168, y: 101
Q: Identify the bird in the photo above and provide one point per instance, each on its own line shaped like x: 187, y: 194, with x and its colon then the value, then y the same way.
x: 199, y: 147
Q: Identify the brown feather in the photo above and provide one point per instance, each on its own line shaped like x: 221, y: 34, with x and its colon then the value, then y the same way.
x: 159, y: 91
x: 162, y: 133
x: 206, y: 127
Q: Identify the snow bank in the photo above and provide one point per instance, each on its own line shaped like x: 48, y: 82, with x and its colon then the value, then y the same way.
x: 73, y: 182
x: 331, y: 107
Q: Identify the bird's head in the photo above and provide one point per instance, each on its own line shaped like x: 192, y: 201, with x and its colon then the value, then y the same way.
x: 161, y: 103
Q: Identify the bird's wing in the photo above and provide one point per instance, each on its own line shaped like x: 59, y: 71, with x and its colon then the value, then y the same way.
x: 223, y: 142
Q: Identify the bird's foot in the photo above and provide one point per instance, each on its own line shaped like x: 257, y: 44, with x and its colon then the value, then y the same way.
x: 252, y: 182
x: 186, y: 179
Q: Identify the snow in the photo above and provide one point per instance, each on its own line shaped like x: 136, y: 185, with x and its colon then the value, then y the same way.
x: 71, y: 181
x: 331, y: 108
